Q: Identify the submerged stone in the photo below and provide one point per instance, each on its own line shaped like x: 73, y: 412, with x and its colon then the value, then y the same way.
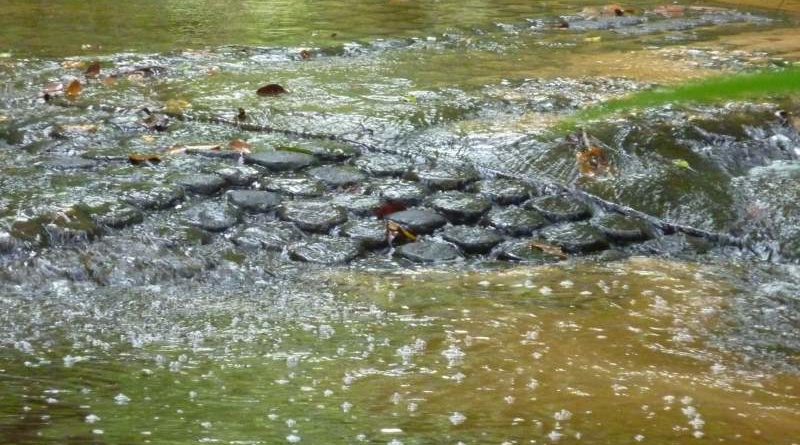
x: 240, y: 175
x: 579, y: 237
x: 203, y: 184
x: 371, y: 233
x: 325, y: 250
x: 157, y: 198
x: 460, y: 207
x: 401, y: 192
x: 254, y: 200
x: 504, y: 191
x: 67, y: 163
x: 303, y: 187
x: 313, y: 216
x: 620, y: 228
x: 517, y: 221
x: 418, y: 221
x: 362, y: 205
x: 523, y: 251
x: 7, y: 242
x: 474, y: 240
x: 273, y: 236
x: 560, y: 208
x: 384, y: 165
x: 334, y: 176
x: 428, y: 252
x: 280, y: 160
x: 116, y: 215
x: 440, y: 178
x: 213, y: 216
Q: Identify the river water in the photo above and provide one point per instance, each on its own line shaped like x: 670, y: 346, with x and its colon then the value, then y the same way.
x: 159, y: 332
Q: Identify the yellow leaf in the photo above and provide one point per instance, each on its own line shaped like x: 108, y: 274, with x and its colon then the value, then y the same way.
x: 139, y: 159
x: 74, y: 89
x: 548, y: 249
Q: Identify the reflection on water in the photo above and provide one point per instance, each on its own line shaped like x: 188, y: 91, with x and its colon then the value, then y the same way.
x: 578, y: 353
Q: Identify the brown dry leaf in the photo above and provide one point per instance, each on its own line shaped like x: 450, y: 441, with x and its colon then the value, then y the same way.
x: 93, y: 70
x: 239, y: 146
x: 177, y: 106
x: 613, y: 9
x: 549, y: 249
x: 74, y: 89
x: 593, y: 162
x: 143, y: 159
x: 305, y: 54
x: 272, y: 89
x: 395, y: 231
x: 73, y: 64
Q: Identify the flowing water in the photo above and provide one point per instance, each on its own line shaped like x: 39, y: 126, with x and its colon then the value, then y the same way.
x: 155, y: 331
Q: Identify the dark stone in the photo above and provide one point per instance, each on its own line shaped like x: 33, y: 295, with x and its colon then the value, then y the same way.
x: 461, y: 207
x: 522, y: 251
x: 213, y: 216
x: 428, y: 252
x: 578, y: 237
x: 280, y: 160
x: 117, y: 216
x: 401, y: 192
x: 516, y: 220
x: 157, y: 198
x: 370, y: 232
x: 254, y: 200
x: 362, y: 205
x: 440, y: 178
x: 504, y: 191
x: 418, y: 221
x: 67, y: 163
x: 334, y: 176
x: 313, y: 216
x: 203, y: 184
x: 240, y: 175
x: 7, y: 242
x: 325, y: 250
x: 302, y: 187
x: 474, y: 240
x: 384, y: 165
x: 620, y: 228
x: 559, y: 208
x: 273, y: 236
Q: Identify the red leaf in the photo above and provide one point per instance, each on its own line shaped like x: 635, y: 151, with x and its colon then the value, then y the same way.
x: 389, y: 208
x: 272, y: 89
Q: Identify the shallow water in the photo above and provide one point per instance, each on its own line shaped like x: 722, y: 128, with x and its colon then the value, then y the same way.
x: 161, y: 333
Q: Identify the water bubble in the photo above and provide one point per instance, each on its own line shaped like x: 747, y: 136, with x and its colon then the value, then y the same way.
x: 327, y: 393
x: 454, y: 355
x: 346, y: 407
x: 509, y: 399
x: 121, y: 399
x: 533, y: 384
x: 291, y: 423
x: 292, y: 361
x: 70, y: 360
x: 394, y: 442
x: 566, y: 284
x: 638, y: 438
x: 562, y: 416
x: 396, y: 398
x: 326, y: 331
x: 91, y: 418
x: 412, y: 407
x: 555, y: 436
x: 293, y: 438
x: 97, y: 432
x: 546, y: 291
x: 457, y: 418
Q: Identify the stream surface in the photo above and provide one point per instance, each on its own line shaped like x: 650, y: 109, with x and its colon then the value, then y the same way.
x: 155, y: 289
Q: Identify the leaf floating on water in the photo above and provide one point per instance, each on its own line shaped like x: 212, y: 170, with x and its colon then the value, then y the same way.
x: 93, y: 70
x: 593, y: 162
x: 305, y: 54
x: 239, y: 146
x: 396, y: 231
x: 272, y: 89
x: 681, y: 163
x: 143, y: 159
x: 74, y: 89
x: 548, y: 249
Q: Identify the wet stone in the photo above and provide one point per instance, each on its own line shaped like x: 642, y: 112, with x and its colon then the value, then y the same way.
x: 7, y: 242
x: 418, y: 221
x: 517, y: 221
x: 202, y: 184
x: 522, y: 251
x: 118, y: 216
x: 332, y: 153
x: 580, y: 237
x: 273, y: 236
x: 302, y: 187
x: 620, y: 228
x: 445, y: 178
x: 213, y: 216
x: 401, y: 192
x: 371, y: 233
x: 280, y: 160
x: 240, y: 175
x: 67, y: 163
x: 460, y: 207
x: 254, y: 200
x: 473, y: 240
x: 313, y: 216
x: 361, y: 205
x: 334, y: 176
x: 157, y: 198
x: 428, y: 252
x: 504, y: 191
x: 384, y: 165
x: 560, y: 208
x: 325, y: 250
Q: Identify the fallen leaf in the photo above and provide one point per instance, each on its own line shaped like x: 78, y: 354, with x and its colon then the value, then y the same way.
x: 74, y: 89
x: 305, y: 54
x: 593, y: 39
x: 239, y: 146
x: 143, y: 159
x: 93, y: 70
x: 593, y: 162
x: 396, y: 231
x: 681, y: 163
x: 548, y: 249
x: 272, y: 89
x: 389, y: 208
x: 177, y: 106
x: 73, y: 64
